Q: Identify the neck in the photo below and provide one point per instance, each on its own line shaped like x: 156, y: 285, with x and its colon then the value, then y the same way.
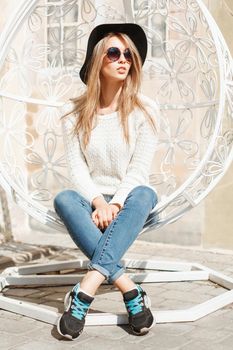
x: 110, y: 92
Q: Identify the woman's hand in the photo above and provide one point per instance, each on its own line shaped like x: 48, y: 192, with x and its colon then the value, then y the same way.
x: 104, y: 213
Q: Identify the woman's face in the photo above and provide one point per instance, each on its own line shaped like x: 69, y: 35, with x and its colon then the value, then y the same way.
x: 119, y: 69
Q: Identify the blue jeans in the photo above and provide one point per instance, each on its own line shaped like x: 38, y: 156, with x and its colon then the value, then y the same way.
x: 105, y: 248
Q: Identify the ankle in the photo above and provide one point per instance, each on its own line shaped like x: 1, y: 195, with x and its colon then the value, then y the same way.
x: 85, y: 292
x: 124, y: 284
x: 91, y: 282
x: 129, y: 290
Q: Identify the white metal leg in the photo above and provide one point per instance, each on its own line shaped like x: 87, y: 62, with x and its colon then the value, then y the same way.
x: 164, y: 271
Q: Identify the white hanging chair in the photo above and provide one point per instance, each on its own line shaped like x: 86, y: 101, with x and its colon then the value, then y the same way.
x: 188, y: 72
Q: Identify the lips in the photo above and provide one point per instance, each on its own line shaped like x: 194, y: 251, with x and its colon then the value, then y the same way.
x: 122, y: 69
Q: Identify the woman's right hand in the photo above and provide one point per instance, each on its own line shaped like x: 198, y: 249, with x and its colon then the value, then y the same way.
x: 104, y: 213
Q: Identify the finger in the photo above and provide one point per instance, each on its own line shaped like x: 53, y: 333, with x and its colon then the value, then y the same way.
x: 94, y: 217
x: 97, y: 222
x: 100, y: 218
x: 114, y: 212
x: 110, y: 216
x: 104, y: 217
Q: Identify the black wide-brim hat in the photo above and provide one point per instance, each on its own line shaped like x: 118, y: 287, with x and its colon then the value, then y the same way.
x: 134, y: 31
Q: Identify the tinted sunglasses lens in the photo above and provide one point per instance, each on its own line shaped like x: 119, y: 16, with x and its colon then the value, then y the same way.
x: 128, y: 55
x: 113, y: 53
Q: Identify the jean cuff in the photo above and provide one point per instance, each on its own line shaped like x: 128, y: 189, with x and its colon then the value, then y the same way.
x: 116, y: 275
x: 99, y: 268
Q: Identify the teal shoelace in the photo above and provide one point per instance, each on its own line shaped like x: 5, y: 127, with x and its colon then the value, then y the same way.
x: 135, y: 305
x: 79, y: 308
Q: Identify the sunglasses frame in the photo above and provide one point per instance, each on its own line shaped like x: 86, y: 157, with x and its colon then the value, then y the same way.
x: 119, y: 52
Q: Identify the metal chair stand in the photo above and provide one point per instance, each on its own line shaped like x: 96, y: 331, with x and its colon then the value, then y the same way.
x: 156, y: 272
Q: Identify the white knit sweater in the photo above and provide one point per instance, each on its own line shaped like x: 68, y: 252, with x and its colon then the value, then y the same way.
x: 108, y: 165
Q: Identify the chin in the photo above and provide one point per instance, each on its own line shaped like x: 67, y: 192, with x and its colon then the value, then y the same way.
x: 120, y: 78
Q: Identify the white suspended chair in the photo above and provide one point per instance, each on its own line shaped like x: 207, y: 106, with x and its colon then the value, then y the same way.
x: 188, y: 72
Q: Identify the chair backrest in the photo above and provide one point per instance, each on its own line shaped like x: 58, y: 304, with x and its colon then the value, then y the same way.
x: 188, y: 72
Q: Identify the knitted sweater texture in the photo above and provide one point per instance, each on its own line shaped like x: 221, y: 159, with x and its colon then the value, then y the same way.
x: 109, y: 165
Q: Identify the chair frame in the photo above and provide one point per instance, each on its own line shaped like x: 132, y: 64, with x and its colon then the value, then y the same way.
x: 157, y: 271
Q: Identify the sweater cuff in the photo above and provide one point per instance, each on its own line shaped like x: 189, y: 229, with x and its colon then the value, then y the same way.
x: 119, y: 197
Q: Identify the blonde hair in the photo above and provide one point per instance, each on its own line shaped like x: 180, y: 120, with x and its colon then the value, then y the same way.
x: 87, y: 104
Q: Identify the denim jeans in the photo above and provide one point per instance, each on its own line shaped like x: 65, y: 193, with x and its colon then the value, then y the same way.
x: 105, y: 248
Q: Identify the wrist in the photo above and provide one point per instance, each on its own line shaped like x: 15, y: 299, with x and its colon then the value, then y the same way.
x: 117, y: 205
x: 98, y: 202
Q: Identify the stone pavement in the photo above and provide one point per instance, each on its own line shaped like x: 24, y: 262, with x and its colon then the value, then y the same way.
x: 213, y: 332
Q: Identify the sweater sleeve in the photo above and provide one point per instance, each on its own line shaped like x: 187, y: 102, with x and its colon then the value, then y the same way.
x: 77, y: 166
x: 139, y: 166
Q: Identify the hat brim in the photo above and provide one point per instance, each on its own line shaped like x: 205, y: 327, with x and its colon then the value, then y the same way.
x: 133, y: 30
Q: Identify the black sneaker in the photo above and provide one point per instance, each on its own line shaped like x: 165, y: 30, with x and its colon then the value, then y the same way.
x: 137, y: 304
x: 70, y: 325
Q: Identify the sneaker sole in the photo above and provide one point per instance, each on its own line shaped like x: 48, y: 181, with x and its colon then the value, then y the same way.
x: 144, y: 330
x: 67, y: 336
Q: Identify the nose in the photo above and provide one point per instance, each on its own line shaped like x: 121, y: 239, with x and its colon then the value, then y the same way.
x: 122, y: 57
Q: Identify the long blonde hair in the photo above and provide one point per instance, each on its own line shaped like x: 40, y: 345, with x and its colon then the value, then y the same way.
x: 87, y: 104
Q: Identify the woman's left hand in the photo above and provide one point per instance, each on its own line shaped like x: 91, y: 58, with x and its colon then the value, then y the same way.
x: 97, y: 216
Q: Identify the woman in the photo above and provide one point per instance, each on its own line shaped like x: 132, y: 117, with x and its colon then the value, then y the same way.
x: 109, y: 137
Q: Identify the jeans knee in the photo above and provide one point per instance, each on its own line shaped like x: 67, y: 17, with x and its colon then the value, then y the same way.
x: 63, y: 198
x: 145, y: 194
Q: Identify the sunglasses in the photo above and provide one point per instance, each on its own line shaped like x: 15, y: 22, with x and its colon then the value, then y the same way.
x: 114, y: 53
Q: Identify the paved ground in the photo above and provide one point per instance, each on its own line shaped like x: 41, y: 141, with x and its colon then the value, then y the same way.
x: 211, y: 332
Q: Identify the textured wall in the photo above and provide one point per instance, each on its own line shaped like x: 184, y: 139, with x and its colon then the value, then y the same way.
x: 210, y: 224
x: 218, y: 218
